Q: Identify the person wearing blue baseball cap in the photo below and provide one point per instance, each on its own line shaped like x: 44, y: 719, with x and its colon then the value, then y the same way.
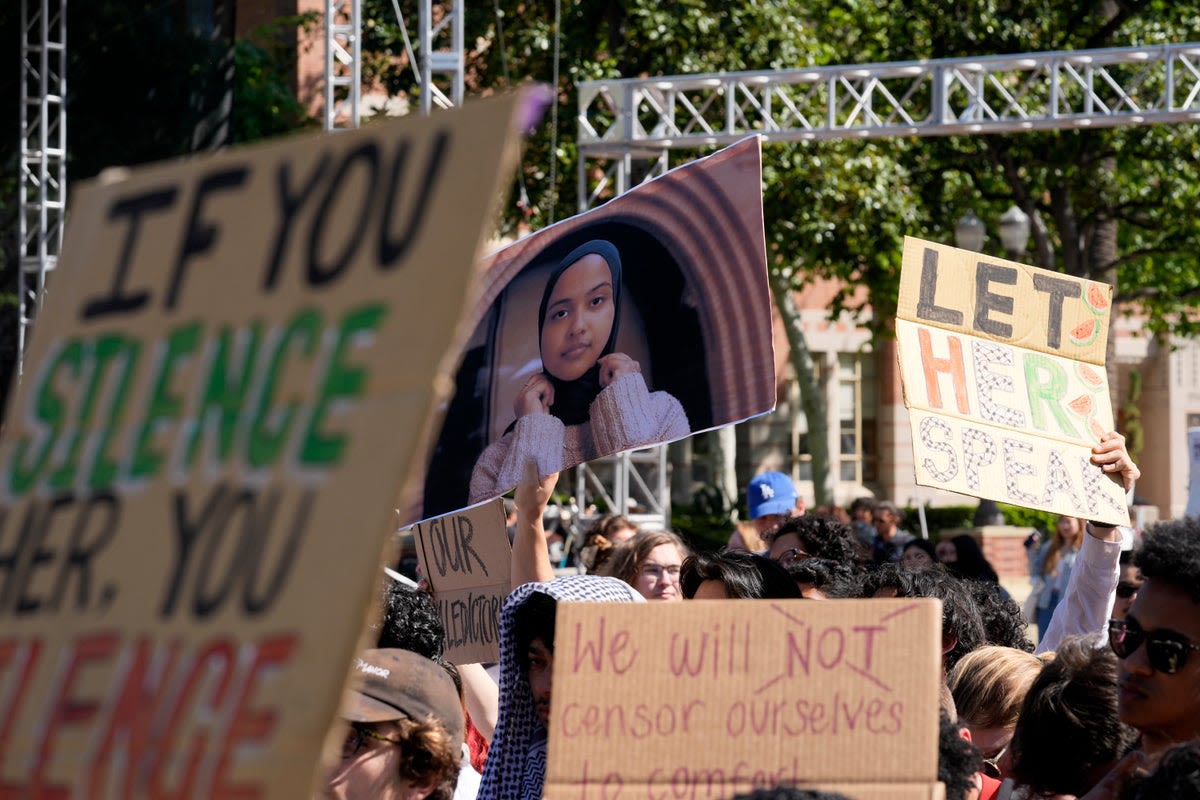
x: 772, y: 500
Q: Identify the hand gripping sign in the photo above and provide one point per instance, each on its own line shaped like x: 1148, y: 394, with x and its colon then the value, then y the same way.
x: 1003, y: 373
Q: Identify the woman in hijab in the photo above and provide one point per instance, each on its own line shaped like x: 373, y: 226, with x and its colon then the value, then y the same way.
x: 588, y: 400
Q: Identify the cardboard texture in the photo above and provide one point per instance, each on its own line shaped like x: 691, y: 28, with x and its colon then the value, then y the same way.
x: 709, y: 698
x: 689, y: 304
x: 1003, y: 372
x: 222, y: 396
x: 466, y: 557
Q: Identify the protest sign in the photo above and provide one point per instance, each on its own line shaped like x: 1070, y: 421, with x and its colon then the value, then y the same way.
x: 633, y: 324
x: 1003, y: 373
x: 707, y: 699
x: 466, y: 556
x: 231, y: 375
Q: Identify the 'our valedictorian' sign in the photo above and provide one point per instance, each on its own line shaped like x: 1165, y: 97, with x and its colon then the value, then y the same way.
x: 234, y: 369
x: 1004, y: 378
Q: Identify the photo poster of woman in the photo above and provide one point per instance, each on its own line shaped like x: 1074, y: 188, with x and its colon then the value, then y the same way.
x: 634, y: 324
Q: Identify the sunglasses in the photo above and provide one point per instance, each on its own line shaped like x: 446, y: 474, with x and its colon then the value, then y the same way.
x: 792, y: 556
x: 991, y: 764
x: 1167, y: 651
x: 356, y: 738
x: 1126, y: 590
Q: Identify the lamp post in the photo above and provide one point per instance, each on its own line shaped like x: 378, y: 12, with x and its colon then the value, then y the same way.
x: 1014, y: 232
x: 970, y: 232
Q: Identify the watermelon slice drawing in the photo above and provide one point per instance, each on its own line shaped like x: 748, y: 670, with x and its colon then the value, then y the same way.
x: 1098, y: 297
x: 1082, y: 405
x: 1092, y: 378
x: 1085, y: 333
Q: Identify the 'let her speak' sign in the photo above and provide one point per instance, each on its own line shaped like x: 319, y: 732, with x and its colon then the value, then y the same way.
x: 1004, y: 379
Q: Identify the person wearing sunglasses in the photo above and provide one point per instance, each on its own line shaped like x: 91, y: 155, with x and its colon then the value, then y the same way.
x: 402, y: 731
x: 1128, y: 583
x: 1158, y: 642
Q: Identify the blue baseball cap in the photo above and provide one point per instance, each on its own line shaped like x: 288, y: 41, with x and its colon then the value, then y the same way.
x: 771, y: 493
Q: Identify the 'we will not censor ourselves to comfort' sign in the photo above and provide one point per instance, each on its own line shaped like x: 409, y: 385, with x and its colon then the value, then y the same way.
x: 1004, y: 378
x: 233, y: 371
x: 708, y: 699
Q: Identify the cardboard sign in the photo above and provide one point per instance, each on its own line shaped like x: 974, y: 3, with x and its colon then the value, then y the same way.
x: 222, y: 397
x: 1003, y: 373
x: 666, y: 332
x: 707, y: 699
x: 466, y: 557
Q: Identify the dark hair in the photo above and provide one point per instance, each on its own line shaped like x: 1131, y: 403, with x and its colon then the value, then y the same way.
x: 573, y: 397
x: 410, y: 622
x: 427, y: 751
x: 821, y: 537
x: 924, y: 545
x: 958, y: 759
x: 831, y: 577
x: 1177, y: 775
x: 867, y: 503
x: 1170, y: 553
x: 1069, y: 731
x: 971, y: 563
x: 534, y: 620
x: 790, y: 793
x: 1003, y: 623
x: 746, y: 576
x: 960, y: 617
x: 609, y: 523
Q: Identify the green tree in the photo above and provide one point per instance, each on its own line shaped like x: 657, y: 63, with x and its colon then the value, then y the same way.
x: 1105, y: 204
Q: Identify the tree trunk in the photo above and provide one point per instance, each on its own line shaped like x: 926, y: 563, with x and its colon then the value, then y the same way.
x: 722, y: 457
x: 812, y: 398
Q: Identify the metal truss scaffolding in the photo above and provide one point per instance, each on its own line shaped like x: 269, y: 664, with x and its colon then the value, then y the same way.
x: 43, y: 190
x: 441, y: 27
x: 343, y: 64
x: 627, y: 127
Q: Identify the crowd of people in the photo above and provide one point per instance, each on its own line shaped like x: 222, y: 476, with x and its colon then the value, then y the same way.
x: 1105, y: 705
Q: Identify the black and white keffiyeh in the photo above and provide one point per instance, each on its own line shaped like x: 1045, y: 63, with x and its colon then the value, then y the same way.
x: 516, y: 761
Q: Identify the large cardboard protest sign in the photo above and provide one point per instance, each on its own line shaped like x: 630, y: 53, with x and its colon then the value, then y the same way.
x: 466, y: 557
x: 633, y: 324
x: 1003, y: 373
x: 223, y: 394
x: 707, y: 699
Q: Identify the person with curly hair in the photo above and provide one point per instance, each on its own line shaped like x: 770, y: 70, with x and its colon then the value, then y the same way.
x: 811, y: 537
x: 1158, y: 642
x: 403, y: 731
x: 735, y: 575
x: 1003, y: 623
x: 962, y: 627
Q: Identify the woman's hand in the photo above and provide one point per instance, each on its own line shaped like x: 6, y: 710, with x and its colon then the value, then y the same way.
x: 1112, y: 457
x: 614, y: 365
x: 536, y: 396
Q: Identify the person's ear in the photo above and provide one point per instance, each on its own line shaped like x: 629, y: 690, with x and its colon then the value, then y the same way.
x: 421, y: 789
x: 949, y: 642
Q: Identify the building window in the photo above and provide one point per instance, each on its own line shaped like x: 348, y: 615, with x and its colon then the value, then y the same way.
x: 858, y: 401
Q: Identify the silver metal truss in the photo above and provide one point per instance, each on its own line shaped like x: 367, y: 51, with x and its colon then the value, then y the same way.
x: 43, y: 190
x: 635, y: 484
x: 343, y: 64
x: 441, y: 52
x: 631, y: 124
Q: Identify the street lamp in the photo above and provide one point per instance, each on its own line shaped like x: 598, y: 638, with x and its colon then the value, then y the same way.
x: 970, y: 232
x: 1014, y: 232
